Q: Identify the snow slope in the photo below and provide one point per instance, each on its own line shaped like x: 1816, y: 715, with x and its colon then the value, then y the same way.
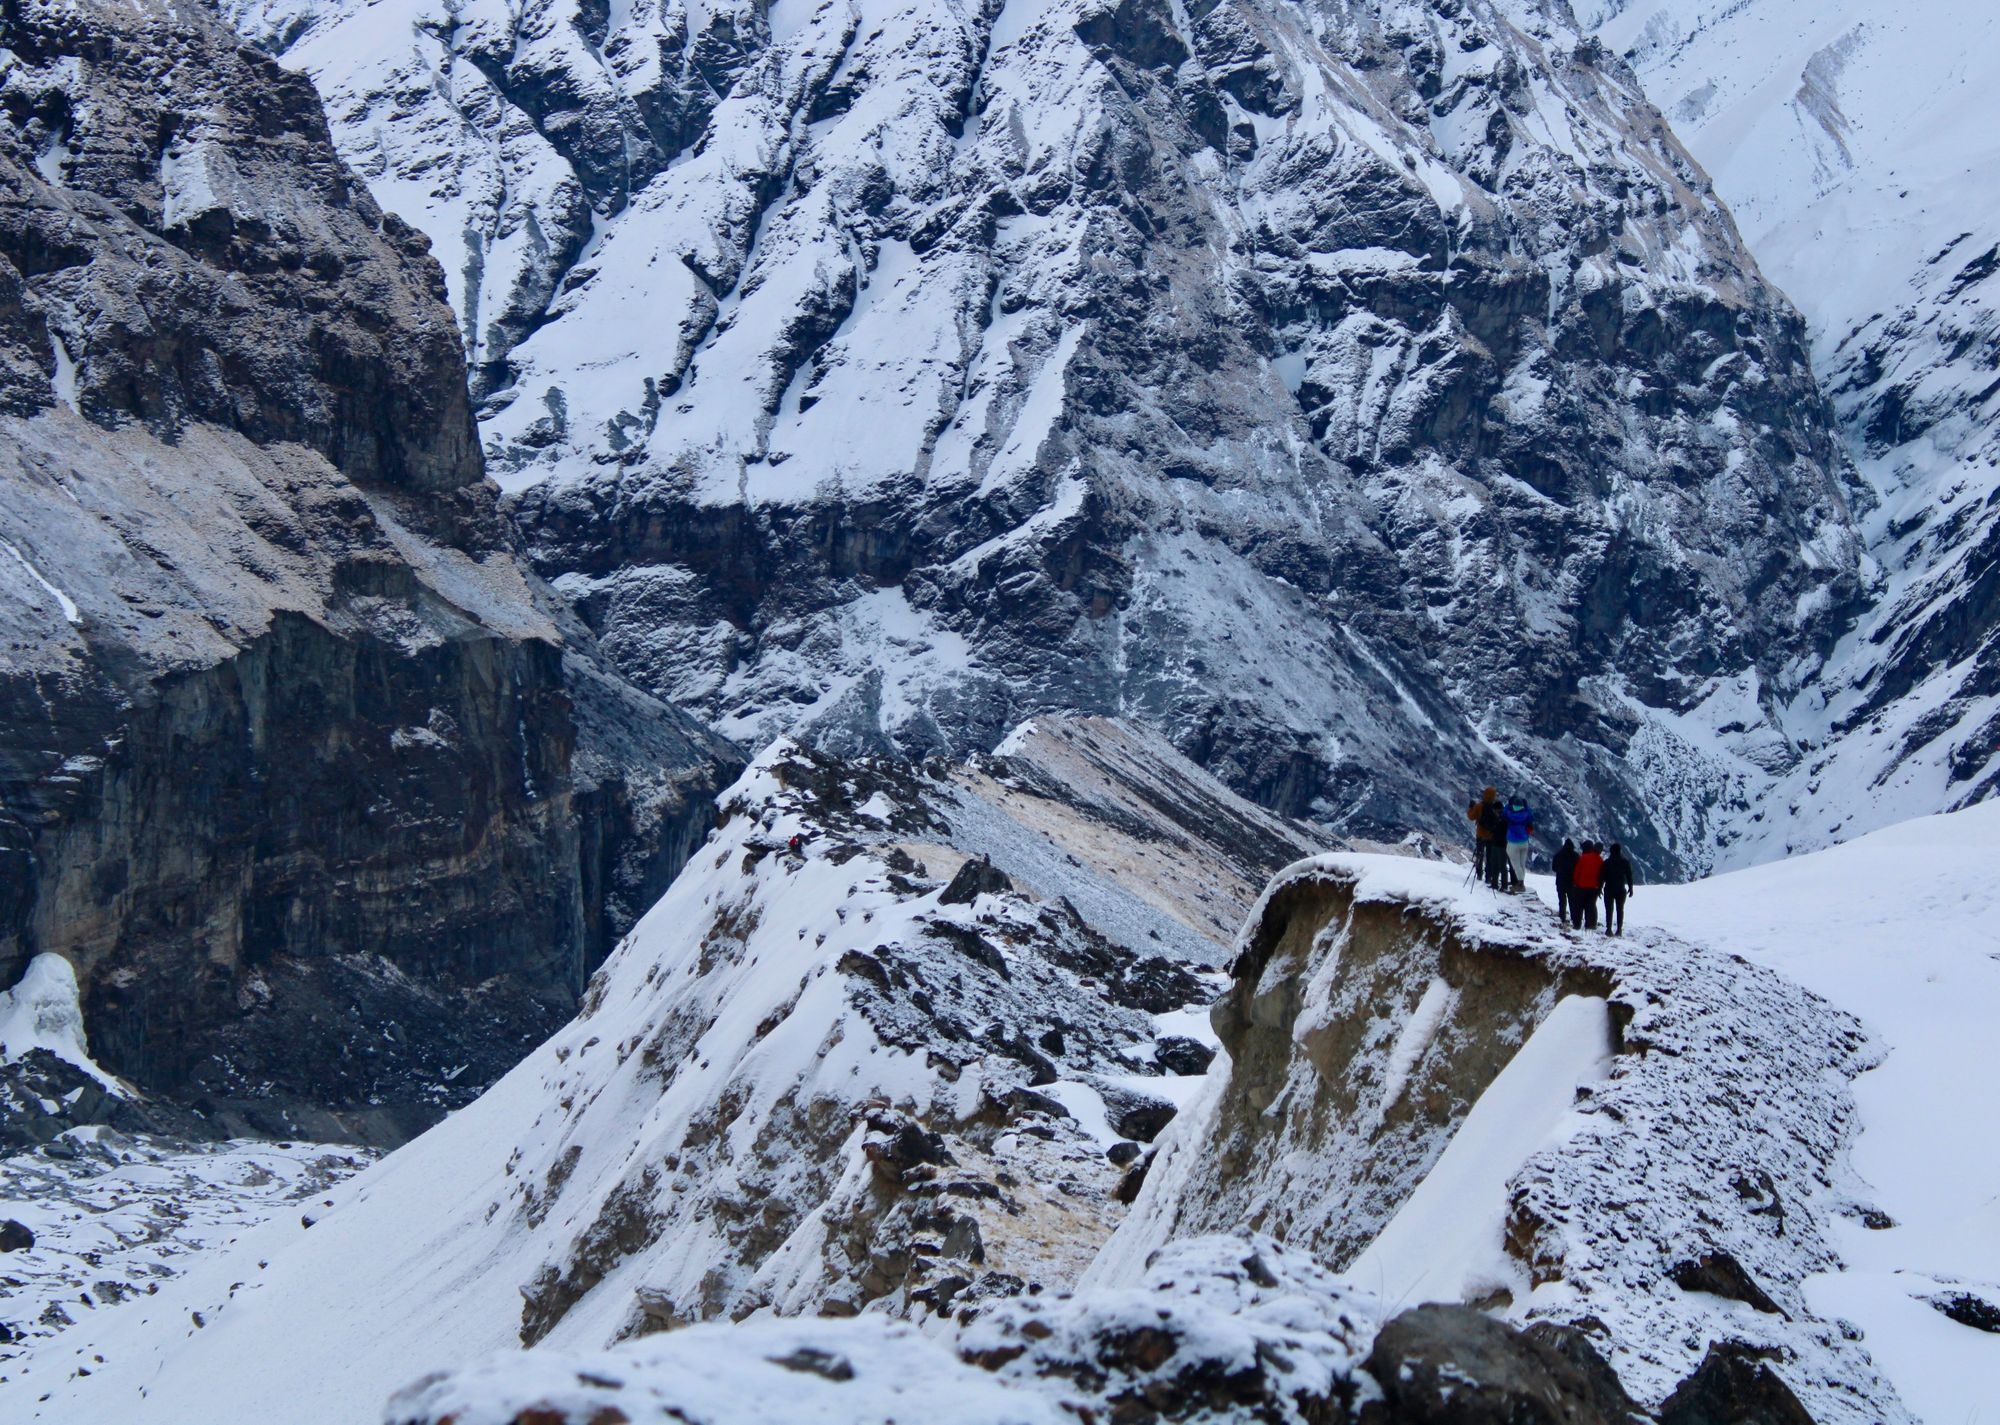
x: 809, y: 1082
x: 1902, y: 929
x: 1856, y: 144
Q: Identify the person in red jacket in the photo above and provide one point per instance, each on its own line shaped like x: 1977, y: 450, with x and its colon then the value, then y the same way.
x: 1583, y: 886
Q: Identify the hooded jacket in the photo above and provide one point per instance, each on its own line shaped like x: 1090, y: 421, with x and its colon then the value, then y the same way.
x: 1589, y: 871
x: 1520, y: 822
x: 1563, y: 863
x: 1477, y: 813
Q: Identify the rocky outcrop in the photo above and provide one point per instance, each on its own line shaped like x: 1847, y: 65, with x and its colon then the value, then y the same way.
x: 294, y: 755
x: 1224, y: 1330
x: 1346, y: 392
x: 1398, y: 1099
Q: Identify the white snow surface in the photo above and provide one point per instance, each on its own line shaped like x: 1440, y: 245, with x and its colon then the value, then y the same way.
x: 1902, y: 929
x: 117, y: 1217
x: 43, y: 1011
x: 1446, y: 1242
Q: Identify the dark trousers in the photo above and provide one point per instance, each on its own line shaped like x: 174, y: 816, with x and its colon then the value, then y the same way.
x: 1495, y: 857
x: 1563, y: 894
x: 1583, y: 909
x: 1614, y: 912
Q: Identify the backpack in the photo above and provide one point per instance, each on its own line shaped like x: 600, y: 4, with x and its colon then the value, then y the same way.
x: 1493, y: 821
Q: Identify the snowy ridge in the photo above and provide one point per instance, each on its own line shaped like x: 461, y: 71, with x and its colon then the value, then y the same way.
x: 822, y: 1081
x: 1607, y: 1158
x: 1323, y: 386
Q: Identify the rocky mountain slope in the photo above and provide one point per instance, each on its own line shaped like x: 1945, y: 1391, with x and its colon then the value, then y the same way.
x: 1373, y: 399
x: 1855, y: 146
x: 868, y: 1077
x: 329, y: 802
x: 869, y: 1072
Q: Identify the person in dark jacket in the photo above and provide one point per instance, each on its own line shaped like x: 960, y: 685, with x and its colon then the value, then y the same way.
x: 1520, y: 827
x: 1493, y: 822
x: 1618, y: 883
x: 1563, y: 863
x: 1584, y: 883
x: 1483, y: 841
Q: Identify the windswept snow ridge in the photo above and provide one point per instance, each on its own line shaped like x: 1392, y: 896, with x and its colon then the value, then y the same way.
x: 1640, y: 1137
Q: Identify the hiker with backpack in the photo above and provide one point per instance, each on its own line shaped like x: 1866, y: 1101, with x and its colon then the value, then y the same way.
x: 1484, y: 843
x: 1563, y: 863
x: 1618, y: 882
x: 1520, y: 826
x: 1585, y: 881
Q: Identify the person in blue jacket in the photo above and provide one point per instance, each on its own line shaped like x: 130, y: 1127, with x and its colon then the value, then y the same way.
x: 1520, y: 826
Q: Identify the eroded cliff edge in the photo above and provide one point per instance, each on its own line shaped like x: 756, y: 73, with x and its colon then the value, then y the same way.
x: 328, y: 800
x: 1656, y: 1132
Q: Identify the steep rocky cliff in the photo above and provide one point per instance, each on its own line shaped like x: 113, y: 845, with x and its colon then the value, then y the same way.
x: 1371, y: 397
x: 326, y: 798
x: 1446, y: 1098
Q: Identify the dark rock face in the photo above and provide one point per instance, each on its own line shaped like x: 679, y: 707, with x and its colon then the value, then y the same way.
x: 42, y: 1097
x: 1451, y: 1365
x: 1000, y: 368
x: 295, y: 759
x: 1734, y: 1385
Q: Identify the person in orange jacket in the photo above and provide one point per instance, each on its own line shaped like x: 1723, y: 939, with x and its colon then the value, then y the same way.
x: 1483, y: 841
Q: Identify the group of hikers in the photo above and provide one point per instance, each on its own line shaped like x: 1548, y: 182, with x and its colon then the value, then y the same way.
x: 1500, y: 858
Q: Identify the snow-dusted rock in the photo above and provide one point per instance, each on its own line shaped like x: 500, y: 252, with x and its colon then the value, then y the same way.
x: 287, y: 733
x: 809, y: 1081
x: 1440, y: 1093
x: 1232, y: 1330
x: 1364, y: 396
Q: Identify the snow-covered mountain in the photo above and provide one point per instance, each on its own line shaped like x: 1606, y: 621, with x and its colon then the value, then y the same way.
x: 876, y: 1069
x: 1856, y: 144
x: 1372, y: 398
